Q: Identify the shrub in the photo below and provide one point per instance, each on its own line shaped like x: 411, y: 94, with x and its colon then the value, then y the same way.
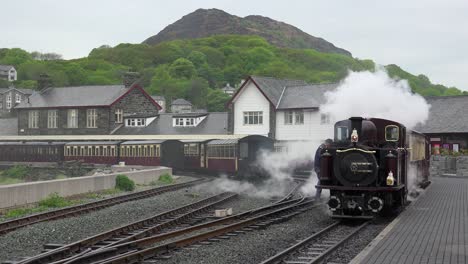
x: 17, y: 171
x: 54, y: 200
x: 14, y: 213
x: 122, y: 182
x: 166, y: 178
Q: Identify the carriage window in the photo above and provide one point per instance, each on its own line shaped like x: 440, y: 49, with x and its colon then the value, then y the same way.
x: 139, y: 151
x: 222, y: 151
x: 391, y: 133
x: 342, y: 133
x: 191, y: 149
x: 244, y: 150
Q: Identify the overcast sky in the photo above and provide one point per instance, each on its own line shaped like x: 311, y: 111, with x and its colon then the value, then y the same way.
x: 424, y: 37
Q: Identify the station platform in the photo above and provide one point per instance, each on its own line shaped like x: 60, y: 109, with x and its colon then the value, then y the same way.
x: 434, y: 229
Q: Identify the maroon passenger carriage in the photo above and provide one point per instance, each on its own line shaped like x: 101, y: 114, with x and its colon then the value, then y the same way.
x: 371, y: 166
x: 31, y: 151
x: 96, y: 152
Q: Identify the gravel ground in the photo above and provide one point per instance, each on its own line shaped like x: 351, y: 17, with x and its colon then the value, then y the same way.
x: 356, y: 244
x: 29, y: 241
x: 258, y: 245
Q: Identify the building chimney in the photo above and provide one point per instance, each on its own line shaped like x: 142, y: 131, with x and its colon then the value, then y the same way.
x: 129, y: 78
x: 44, y: 82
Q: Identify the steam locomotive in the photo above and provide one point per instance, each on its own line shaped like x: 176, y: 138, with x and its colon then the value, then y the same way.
x: 371, y: 166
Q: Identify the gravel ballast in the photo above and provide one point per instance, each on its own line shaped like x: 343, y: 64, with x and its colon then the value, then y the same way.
x: 29, y: 241
x: 258, y: 245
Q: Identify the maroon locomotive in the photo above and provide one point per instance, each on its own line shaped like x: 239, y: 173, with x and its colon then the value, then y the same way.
x: 371, y: 166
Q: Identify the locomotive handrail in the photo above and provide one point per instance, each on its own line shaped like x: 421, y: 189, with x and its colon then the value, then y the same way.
x: 358, y: 149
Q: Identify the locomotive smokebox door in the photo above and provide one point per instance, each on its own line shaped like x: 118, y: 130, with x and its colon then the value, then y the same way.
x: 357, y: 167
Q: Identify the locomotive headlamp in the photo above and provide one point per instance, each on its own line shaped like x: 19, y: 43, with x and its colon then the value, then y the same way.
x: 390, y: 179
x: 354, y: 136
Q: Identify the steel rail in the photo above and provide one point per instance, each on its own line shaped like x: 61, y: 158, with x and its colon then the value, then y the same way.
x: 328, y: 249
x: 14, y: 224
x: 153, y: 251
x: 122, y: 234
x: 124, y: 247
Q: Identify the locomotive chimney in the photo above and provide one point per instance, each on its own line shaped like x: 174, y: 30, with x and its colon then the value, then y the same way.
x: 356, y: 123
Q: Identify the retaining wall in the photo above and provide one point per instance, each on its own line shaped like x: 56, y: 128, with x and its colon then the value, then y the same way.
x: 455, y: 165
x: 32, y: 192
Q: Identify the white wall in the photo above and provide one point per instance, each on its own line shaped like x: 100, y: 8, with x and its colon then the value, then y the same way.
x: 311, y: 130
x: 251, y: 99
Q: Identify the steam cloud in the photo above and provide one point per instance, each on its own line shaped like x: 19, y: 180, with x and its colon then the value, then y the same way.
x: 375, y: 94
x: 279, y: 166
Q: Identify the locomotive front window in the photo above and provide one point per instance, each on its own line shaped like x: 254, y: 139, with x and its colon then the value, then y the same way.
x: 342, y: 133
x: 391, y: 133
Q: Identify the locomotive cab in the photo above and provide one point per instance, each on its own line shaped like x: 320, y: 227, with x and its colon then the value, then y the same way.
x: 365, y: 167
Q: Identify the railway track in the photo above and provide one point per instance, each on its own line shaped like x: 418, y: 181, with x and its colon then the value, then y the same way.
x: 14, y: 224
x: 317, y: 247
x: 136, y: 230
x: 146, y: 249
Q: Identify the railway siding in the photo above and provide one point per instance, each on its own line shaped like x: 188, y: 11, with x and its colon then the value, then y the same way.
x: 27, y: 193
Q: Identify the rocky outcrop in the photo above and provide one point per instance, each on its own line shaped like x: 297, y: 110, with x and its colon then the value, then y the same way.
x: 208, y: 22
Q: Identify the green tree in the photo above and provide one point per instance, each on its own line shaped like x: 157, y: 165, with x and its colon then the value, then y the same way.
x: 182, y: 68
x: 216, y: 100
x: 15, y: 57
x: 197, y: 58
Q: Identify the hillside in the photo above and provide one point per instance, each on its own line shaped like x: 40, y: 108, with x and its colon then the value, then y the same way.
x: 195, y: 68
x: 209, y: 22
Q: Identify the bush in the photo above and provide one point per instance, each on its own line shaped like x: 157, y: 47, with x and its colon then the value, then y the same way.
x: 166, y: 178
x: 17, y: 172
x: 122, y: 182
x: 54, y: 200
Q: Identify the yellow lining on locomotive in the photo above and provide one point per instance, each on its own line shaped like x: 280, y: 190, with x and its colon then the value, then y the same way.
x: 358, y: 149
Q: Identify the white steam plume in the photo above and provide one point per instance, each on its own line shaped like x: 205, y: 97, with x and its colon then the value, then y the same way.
x: 375, y: 94
x: 279, y: 166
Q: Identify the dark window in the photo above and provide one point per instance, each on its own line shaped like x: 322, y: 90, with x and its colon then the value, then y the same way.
x: 391, y: 133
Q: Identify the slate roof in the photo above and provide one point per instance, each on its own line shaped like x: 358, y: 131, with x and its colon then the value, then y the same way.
x: 22, y: 90
x: 79, y: 143
x: 292, y: 94
x: 273, y: 88
x: 5, y: 67
x: 447, y: 115
x: 223, y: 141
x: 180, y: 101
x: 307, y: 96
x: 158, y: 98
x: 142, y: 142
x: 214, y: 123
x: 228, y: 87
x: 75, y: 96
x: 8, y: 126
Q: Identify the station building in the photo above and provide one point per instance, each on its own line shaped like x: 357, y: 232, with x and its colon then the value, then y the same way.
x: 447, y: 126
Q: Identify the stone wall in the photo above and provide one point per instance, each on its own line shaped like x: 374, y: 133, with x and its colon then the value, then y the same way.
x: 462, y: 166
x: 33, y: 192
x: 133, y: 102
x: 102, y: 122
x: 453, y: 165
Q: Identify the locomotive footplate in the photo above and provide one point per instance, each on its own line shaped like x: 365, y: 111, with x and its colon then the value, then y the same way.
x: 357, y: 188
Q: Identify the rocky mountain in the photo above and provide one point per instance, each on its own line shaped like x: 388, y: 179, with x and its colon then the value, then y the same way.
x: 208, y: 22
